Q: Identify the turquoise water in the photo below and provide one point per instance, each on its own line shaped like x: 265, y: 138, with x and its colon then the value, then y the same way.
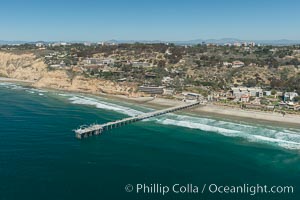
x: 41, y: 159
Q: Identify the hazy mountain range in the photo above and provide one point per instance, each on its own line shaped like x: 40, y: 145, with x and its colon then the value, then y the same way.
x: 188, y: 42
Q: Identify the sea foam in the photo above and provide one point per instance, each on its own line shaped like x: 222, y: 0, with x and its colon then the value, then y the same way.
x: 289, y: 139
x: 104, y: 105
x: 285, y: 138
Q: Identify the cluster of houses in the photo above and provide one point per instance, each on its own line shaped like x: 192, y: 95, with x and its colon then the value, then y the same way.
x: 111, y: 61
x: 57, y: 59
x: 98, y: 61
x: 243, y: 94
x: 250, y: 97
x: 161, y: 90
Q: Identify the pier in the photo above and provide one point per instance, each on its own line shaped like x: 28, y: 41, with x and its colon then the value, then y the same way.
x: 97, y: 129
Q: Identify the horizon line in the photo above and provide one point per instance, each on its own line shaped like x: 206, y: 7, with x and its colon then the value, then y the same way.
x: 149, y: 40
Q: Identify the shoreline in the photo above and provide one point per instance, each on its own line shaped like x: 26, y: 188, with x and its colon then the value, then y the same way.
x: 13, y: 80
x: 209, y: 110
x: 221, y: 113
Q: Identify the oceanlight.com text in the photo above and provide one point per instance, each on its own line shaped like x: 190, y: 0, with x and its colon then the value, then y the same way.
x: 162, y: 189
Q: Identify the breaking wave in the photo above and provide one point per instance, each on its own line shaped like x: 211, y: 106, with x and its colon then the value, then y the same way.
x: 11, y: 86
x: 104, y: 105
x: 286, y: 138
x: 203, y: 127
x: 280, y: 142
x: 14, y: 86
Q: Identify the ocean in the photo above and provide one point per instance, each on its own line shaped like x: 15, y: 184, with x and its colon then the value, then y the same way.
x: 40, y: 158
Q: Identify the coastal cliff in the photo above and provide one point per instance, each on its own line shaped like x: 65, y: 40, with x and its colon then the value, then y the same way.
x: 60, y: 79
x: 29, y: 68
x: 23, y: 67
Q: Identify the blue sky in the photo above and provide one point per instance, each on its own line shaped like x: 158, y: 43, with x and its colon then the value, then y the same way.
x: 96, y: 20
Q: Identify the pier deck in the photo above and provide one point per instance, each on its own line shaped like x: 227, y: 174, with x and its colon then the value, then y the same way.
x: 97, y: 129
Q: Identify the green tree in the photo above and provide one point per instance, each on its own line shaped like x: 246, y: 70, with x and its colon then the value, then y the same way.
x: 273, y: 92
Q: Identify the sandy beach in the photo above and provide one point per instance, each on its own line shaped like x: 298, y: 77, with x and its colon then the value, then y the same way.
x: 3, y: 79
x: 223, y: 112
x: 210, y: 110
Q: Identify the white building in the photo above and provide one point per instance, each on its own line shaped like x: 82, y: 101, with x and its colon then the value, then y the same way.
x: 289, y: 96
x: 108, y: 61
x: 140, y: 64
x: 237, y: 64
x: 191, y: 97
x: 167, y: 80
x: 151, y: 89
x: 168, y: 52
x: 238, y: 92
x: 252, y: 44
x: 92, y: 61
x: 227, y: 64
x: 168, y: 91
x: 267, y: 93
x: 39, y: 44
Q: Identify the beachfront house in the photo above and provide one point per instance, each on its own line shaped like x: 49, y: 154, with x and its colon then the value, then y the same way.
x: 245, y: 98
x: 168, y: 91
x: 238, y: 92
x: 255, y: 92
x: 289, y: 96
x: 267, y: 93
x: 151, y: 89
x: 191, y: 97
